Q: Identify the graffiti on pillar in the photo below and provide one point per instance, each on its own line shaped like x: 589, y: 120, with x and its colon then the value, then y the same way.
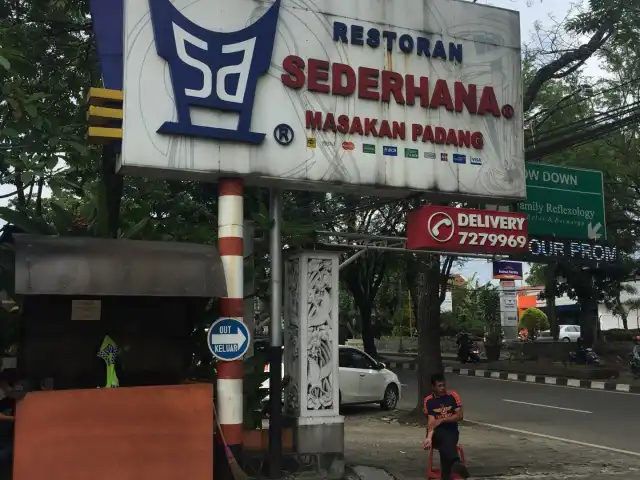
x: 292, y: 339
x: 319, y: 325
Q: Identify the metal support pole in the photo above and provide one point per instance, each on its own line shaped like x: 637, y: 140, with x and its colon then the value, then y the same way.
x: 406, y: 250
x: 352, y: 258
x: 275, y: 330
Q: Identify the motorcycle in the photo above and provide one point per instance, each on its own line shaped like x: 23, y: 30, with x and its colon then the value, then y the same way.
x: 634, y: 364
x: 469, y: 353
x: 584, y: 356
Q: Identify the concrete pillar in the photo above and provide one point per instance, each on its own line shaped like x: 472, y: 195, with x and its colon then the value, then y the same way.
x: 509, y: 309
x: 311, y: 357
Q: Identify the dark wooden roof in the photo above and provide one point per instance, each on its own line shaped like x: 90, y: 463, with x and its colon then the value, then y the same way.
x: 51, y: 265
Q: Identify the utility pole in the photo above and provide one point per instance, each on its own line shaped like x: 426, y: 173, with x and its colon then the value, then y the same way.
x: 551, y: 290
x: 275, y: 330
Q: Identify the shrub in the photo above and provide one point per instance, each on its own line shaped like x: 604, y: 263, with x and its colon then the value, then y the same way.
x: 534, y: 320
x: 620, y: 335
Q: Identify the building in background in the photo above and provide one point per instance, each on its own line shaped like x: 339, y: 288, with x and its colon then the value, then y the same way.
x: 568, y: 310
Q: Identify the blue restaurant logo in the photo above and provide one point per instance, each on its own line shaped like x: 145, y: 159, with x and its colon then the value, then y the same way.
x: 214, y: 70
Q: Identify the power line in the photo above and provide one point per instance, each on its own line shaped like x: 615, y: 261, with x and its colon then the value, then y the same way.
x: 589, y: 97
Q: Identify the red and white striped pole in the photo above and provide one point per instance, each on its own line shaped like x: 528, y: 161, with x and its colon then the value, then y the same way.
x: 231, y: 374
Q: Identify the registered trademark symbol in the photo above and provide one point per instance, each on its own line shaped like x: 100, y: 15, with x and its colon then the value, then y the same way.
x: 283, y: 134
x: 507, y: 111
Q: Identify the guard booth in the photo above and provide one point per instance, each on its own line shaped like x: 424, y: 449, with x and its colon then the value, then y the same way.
x: 148, y: 297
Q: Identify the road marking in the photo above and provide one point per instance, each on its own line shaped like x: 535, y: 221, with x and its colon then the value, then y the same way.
x: 573, y: 385
x: 545, y: 406
x: 551, y: 437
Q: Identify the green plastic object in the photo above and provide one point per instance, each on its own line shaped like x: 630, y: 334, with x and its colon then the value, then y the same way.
x: 108, y: 352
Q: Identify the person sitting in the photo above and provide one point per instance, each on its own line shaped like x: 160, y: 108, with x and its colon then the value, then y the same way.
x: 444, y: 410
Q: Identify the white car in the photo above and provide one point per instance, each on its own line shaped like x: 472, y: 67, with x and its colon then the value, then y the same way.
x: 567, y: 333
x: 362, y: 380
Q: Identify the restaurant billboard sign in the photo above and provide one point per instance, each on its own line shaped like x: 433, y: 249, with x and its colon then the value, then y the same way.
x: 377, y: 97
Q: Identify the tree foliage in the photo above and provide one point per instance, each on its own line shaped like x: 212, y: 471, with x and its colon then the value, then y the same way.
x: 476, y: 308
x: 534, y: 320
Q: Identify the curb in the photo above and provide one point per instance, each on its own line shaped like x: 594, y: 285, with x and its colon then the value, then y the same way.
x: 402, y: 365
x: 564, y: 382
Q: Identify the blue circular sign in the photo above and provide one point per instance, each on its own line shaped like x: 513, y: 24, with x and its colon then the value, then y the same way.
x: 228, y: 339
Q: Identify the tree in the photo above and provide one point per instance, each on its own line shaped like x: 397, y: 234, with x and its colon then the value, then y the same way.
x: 536, y: 275
x: 427, y: 278
x: 534, y: 320
x: 476, y: 307
x: 47, y: 65
x: 364, y: 276
x: 392, y: 307
x: 629, y: 306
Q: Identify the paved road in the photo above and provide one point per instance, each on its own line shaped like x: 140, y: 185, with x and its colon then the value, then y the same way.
x: 606, y: 419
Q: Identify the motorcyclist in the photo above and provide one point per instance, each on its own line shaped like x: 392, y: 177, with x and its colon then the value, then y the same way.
x: 635, y: 356
x: 581, y: 351
x: 464, y: 345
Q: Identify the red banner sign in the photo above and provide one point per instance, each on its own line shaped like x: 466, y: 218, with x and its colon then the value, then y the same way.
x: 463, y: 230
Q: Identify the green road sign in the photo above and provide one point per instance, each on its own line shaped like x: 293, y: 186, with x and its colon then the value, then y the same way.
x: 565, y: 202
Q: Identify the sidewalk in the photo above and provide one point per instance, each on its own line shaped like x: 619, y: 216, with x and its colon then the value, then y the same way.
x: 389, y: 444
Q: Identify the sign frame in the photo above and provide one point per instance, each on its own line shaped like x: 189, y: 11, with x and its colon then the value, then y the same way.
x: 466, y: 230
x: 545, y: 249
x: 242, y: 330
x: 511, y: 270
x: 542, y: 182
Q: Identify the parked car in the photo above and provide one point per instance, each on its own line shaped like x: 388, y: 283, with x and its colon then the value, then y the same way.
x: 362, y: 380
x: 567, y: 333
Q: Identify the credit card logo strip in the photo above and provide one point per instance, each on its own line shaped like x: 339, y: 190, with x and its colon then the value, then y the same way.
x: 390, y: 151
x: 459, y: 158
x: 411, y: 153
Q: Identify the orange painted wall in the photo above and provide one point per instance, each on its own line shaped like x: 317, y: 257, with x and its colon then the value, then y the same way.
x: 525, y: 302
x: 159, y: 433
